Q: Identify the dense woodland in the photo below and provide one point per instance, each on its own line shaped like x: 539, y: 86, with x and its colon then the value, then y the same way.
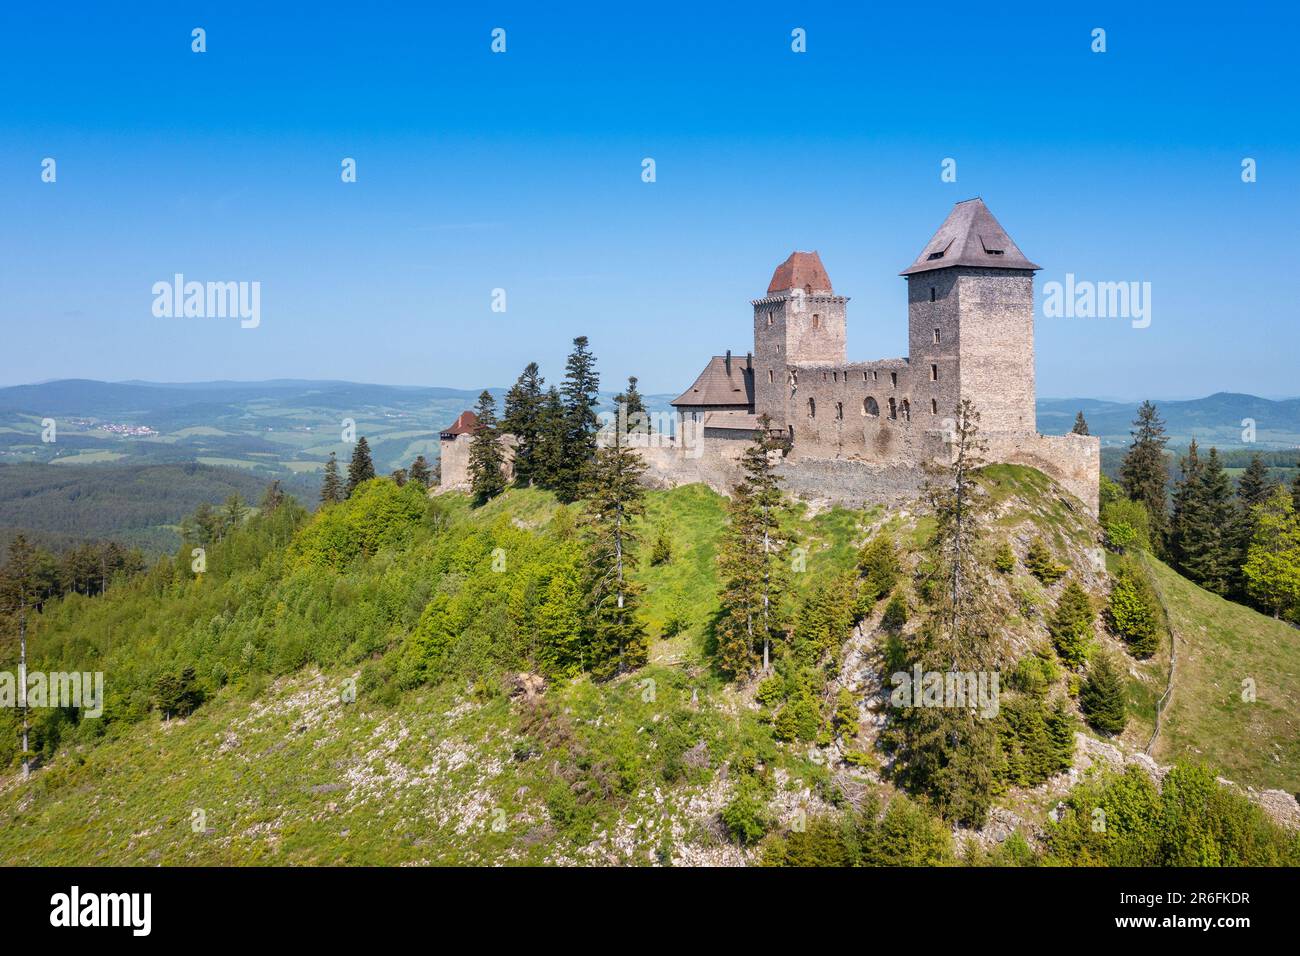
x: 416, y: 593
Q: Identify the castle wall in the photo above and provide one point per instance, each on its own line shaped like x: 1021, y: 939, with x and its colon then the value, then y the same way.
x: 453, y: 461
x: 1074, y: 461
x: 851, y: 415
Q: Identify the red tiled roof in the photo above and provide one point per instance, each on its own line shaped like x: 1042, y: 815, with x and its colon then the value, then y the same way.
x: 467, y: 423
x: 803, y: 270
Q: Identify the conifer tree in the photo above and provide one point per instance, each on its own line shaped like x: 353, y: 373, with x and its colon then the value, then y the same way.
x: 272, y: 498
x: 1254, y: 486
x: 549, y: 460
x: 952, y: 755
x: 1080, y: 425
x: 399, y: 476
x: 1071, y: 625
x: 631, y: 406
x: 419, y: 472
x: 615, y: 500
x: 1143, y: 474
x: 1205, y: 531
x: 331, y: 488
x: 521, y: 417
x: 361, y: 468
x: 753, y: 579
x: 485, y: 456
x: 1216, y: 546
x: 1101, y: 698
x: 1188, y: 507
x: 581, y: 399
x: 1042, y: 564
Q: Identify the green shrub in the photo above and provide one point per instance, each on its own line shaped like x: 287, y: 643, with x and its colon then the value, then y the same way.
x: 1133, y: 611
x: 1004, y: 559
x: 746, y: 816
x: 1101, y: 698
x: 1042, y: 564
x: 1071, y: 625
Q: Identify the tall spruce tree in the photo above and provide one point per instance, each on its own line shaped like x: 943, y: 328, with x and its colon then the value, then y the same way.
x: 631, y: 408
x: 549, y: 460
x: 1188, y: 508
x: 1101, y: 698
x: 1217, y: 547
x: 521, y: 417
x: 331, y: 488
x: 1254, y: 487
x: 749, y: 563
x: 581, y: 399
x: 952, y: 755
x: 1205, y: 532
x: 361, y: 468
x: 1143, y: 473
x: 615, y: 500
x: 486, y: 459
x: 1080, y: 425
x: 419, y: 472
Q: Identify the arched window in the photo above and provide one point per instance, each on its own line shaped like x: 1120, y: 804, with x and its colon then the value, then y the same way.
x: 769, y: 318
x: 869, y: 407
x: 812, y: 408
x: 893, y: 409
x: 839, y: 409
x: 906, y: 410
x: 934, y: 406
x: 817, y: 321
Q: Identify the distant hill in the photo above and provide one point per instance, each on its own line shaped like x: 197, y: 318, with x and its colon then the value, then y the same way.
x: 1214, y: 420
x: 273, y: 428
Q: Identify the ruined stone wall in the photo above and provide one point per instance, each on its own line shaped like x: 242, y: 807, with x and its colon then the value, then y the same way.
x: 453, y: 464
x: 1073, y: 461
x: 453, y: 461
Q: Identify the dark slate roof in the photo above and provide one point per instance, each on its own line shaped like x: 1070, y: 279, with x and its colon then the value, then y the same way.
x: 970, y: 236
x: 465, y: 424
x: 715, y: 386
x: 803, y: 270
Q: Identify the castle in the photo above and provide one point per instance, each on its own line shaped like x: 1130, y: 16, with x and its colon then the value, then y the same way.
x: 858, y: 432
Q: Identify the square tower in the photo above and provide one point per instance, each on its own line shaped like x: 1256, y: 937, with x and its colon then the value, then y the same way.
x: 801, y: 321
x: 970, y: 314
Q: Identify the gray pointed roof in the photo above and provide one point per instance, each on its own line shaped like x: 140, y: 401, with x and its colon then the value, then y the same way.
x: 970, y: 236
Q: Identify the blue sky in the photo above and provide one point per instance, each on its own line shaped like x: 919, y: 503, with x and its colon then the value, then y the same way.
x: 522, y: 171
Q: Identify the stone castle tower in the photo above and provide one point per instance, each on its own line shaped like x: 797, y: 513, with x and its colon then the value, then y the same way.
x: 866, y: 427
x: 970, y: 317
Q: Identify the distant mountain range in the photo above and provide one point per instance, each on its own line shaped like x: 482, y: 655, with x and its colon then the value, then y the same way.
x: 161, y: 448
x: 1219, y: 419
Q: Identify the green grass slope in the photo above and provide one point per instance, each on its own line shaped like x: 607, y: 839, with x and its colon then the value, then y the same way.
x: 1222, y: 645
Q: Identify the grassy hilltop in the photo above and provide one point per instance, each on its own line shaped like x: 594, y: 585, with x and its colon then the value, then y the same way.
x: 380, y: 687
